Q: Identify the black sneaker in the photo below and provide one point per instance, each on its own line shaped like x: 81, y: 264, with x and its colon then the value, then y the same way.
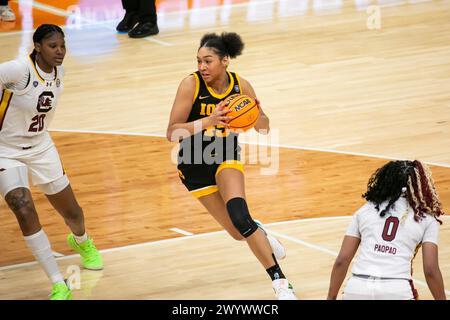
x: 143, y: 30
x: 128, y: 22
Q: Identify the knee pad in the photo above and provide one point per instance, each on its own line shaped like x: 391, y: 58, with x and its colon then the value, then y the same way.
x: 238, y: 211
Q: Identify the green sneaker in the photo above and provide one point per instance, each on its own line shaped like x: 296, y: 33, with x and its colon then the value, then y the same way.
x: 60, y: 291
x: 90, y: 257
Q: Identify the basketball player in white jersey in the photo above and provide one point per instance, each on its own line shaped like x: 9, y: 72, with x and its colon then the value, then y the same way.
x: 30, y: 90
x: 401, y: 214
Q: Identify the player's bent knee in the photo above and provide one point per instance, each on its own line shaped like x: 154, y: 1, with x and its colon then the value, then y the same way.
x: 236, y: 235
x: 240, y: 216
x: 21, y: 203
x: 19, y: 200
x: 55, y: 186
x: 26, y: 214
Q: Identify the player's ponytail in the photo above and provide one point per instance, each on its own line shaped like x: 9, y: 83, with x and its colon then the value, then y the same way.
x: 233, y: 44
x: 227, y: 44
x: 411, y: 178
x: 42, y: 32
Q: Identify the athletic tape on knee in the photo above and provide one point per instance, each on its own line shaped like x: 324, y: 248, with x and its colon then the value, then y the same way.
x: 240, y: 216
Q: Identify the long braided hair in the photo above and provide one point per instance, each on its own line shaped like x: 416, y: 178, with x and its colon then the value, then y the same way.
x: 42, y: 32
x: 413, y: 178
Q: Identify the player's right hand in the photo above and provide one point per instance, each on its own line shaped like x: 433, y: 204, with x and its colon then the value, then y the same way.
x: 219, y: 115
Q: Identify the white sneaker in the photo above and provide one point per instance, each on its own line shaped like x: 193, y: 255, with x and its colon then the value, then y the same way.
x: 278, y: 250
x: 283, y: 290
x: 6, y: 14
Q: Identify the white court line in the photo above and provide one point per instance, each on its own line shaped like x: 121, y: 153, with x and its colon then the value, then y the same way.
x: 57, y: 254
x: 209, y: 234
x: 111, y: 132
x: 186, y: 233
x: 285, y: 146
x: 200, y: 235
x: 132, y: 246
x: 303, y: 243
x: 158, y: 242
x: 152, y: 39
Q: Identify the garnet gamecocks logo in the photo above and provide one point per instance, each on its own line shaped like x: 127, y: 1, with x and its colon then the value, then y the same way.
x: 45, y: 101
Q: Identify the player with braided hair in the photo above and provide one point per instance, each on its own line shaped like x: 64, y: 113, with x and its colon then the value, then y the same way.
x: 400, y: 216
x: 30, y: 88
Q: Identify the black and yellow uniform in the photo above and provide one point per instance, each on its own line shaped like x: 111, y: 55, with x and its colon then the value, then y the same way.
x: 203, y: 155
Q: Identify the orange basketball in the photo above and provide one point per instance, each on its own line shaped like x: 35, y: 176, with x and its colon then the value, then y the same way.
x: 244, y: 112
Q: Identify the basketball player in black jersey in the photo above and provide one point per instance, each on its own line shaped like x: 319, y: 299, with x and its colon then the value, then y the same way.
x: 209, y: 157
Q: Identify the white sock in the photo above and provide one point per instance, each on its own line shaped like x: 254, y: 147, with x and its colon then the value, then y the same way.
x: 42, y: 251
x: 80, y: 239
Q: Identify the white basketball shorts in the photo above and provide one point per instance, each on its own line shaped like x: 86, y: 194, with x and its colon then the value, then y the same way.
x: 44, y: 167
x: 378, y: 289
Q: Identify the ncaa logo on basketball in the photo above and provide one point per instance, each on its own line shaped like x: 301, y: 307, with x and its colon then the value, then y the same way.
x: 58, y: 83
x: 236, y: 88
x: 35, y: 84
x: 242, y: 105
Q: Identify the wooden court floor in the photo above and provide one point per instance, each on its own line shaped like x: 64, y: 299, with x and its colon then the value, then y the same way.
x: 343, y: 100
x: 132, y: 199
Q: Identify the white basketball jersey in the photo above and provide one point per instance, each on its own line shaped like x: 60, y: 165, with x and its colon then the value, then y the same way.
x: 26, y: 114
x: 389, y: 243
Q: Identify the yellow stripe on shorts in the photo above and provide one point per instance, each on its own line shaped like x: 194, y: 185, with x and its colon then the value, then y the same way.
x: 230, y: 164
x: 204, y: 191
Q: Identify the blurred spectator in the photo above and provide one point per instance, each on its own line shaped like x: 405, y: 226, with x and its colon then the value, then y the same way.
x: 140, y: 18
x: 6, y: 14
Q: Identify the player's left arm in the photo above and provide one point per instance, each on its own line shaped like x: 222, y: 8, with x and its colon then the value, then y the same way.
x: 348, y: 250
x: 432, y: 272
x: 262, y: 124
